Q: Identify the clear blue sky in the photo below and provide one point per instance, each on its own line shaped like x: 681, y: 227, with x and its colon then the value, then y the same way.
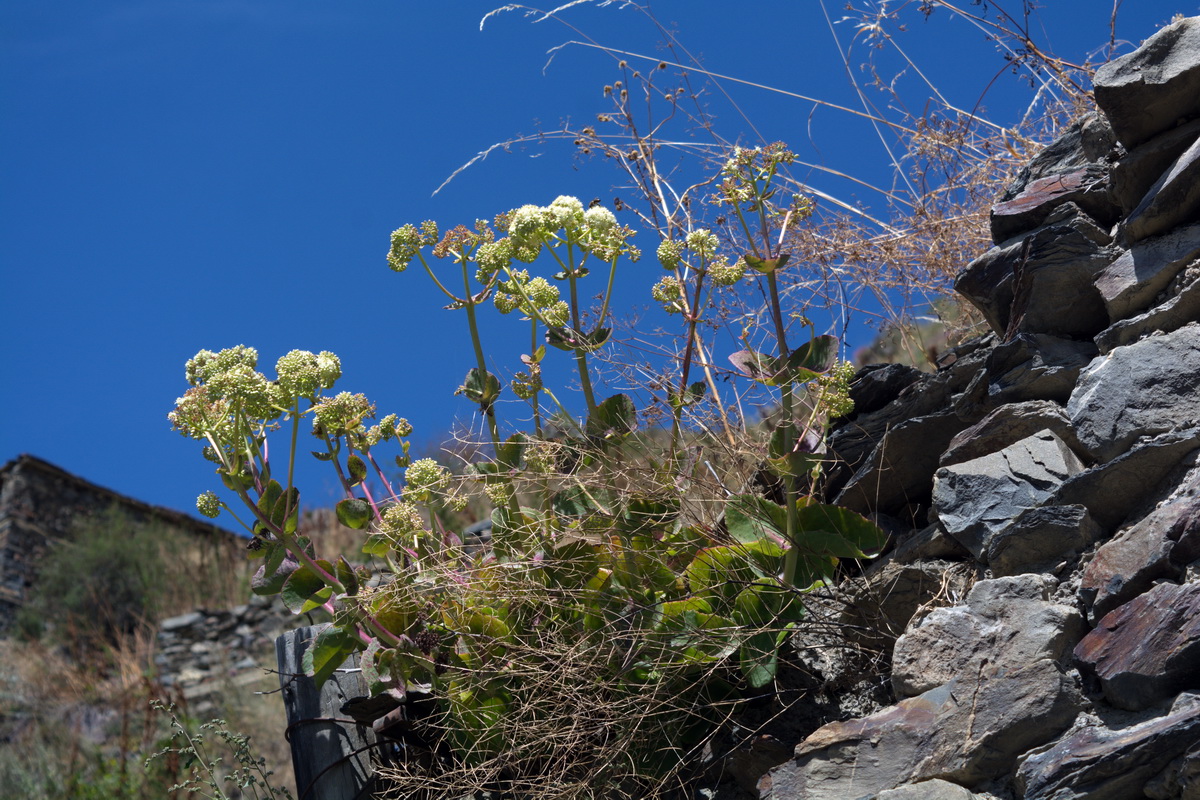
x: 187, y: 174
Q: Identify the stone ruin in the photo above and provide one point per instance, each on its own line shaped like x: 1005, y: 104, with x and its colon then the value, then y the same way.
x: 1043, y: 488
x: 199, y: 655
x: 40, y: 505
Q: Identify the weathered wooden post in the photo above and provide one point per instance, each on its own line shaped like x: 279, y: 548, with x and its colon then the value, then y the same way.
x: 331, y: 754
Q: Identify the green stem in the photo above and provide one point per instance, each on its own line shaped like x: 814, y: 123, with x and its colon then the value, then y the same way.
x: 472, y: 322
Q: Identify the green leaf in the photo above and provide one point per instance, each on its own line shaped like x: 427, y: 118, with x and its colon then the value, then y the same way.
x: 508, y: 454
x: 377, y: 545
x: 811, y: 360
x: 756, y: 366
x: 759, y: 658
x: 305, y: 589
x: 347, y: 576
x: 864, y: 538
x: 327, y: 653
x: 357, y: 469
x: 354, y: 512
x: 765, y: 265
x: 319, y: 456
x: 480, y: 386
x: 285, y: 514
x: 615, y: 415
x: 278, y: 567
x: 750, y: 517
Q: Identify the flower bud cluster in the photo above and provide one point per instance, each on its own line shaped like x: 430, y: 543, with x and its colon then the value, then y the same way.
x: 424, y: 479
x: 669, y: 292
x: 535, y: 298
x: 390, y: 427
x: 303, y: 374
x: 407, y: 240
x: 833, y: 390
x: 541, y: 456
x: 526, y: 385
x: 209, y: 505
x: 343, y: 415
x: 401, y: 522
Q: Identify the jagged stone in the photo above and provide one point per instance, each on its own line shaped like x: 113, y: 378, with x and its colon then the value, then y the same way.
x: 854, y: 439
x: 935, y: 789
x: 1160, y: 546
x: 1131, y: 282
x: 1007, y: 621
x: 975, y: 499
x: 1036, y: 366
x: 929, y: 543
x: 887, y: 596
x: 1148, y: 649
x: 1116, y: 491
x: 1181, y: 306
x: 896, y: 476
x: 1019, y: 287
x: 1086, y: 186
x: 1095, y: 762
x: 1008, y: 424
x: 1155, y: 87
x: 1179, y: 780
x: 1134, y: 174
x: 876, y: 385
x: 1042, y: 538
x: 969, y: 729
x: 1139, y: 390
x: 1172, y: 200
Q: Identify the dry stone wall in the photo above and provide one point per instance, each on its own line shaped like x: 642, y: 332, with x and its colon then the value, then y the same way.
x: 1058, y: 458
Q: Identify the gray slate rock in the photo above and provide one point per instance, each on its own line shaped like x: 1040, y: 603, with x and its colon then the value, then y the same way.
x: 854, y: 440
x: 935, y: 789
x: 1099, y: 763
x: 1140, y: 390
x: 1130, y: 284
x: 1153, y: 88
x: 1136, y: 171
x: 897, y: 477
x: 1036, y: 366
x: 1041, y: 539
x: 1006, y: 622
x: 1020, y: 286
x: 876, y: 385
x: 967, y: 731
x: 1117, y: 491
x: 1160, y: 546
x: 1008, y: 424
x: 977, y: 498
x: 1173, y: 200
x: 1086, y: 186
x: 1148, y: 649
x: 1180, y: 306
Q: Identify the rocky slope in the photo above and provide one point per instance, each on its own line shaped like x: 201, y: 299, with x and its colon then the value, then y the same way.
x: 1057, y: 462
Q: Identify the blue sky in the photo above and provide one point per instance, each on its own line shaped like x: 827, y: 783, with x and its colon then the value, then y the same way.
x: 187, y: 174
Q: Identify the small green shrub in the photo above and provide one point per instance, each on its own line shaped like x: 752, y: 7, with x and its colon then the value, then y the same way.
x: 103, y: 582
x: 627, y: 603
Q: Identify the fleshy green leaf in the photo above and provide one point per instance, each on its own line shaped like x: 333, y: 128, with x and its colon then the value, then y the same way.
x: 480, y: 386
x: 354, y: 512
x: 305, y: 589
x: 357, y: 469
x: 750, y: 517
x: 615, y: 415
x: 327, y: 653
x: 347, y: 576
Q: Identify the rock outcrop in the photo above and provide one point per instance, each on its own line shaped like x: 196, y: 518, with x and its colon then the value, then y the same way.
x: 1058, y: 458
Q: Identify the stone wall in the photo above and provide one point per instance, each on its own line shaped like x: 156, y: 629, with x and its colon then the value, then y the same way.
x: 204, y: 654
x: 40, y: 506
x: 1056, y: 459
